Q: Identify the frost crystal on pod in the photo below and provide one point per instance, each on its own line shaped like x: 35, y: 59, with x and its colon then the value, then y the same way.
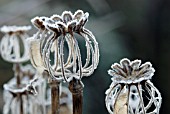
x: 131, y: 91
x: 56, y: 32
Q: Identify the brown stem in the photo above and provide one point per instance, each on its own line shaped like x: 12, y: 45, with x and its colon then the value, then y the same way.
x: 55, y: 101
x: 76, y: 88
x: 17, y: 71
x: 21, y: 105
x: 19, y: 98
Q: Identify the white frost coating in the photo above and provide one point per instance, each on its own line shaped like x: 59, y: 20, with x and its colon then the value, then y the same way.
x: 10, y: 47
x: 131, y: 84
x: 62, y: 29
x: 8, y: 29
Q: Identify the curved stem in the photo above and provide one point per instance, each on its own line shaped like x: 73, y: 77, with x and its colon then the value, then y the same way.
x: 69, y: 64
x: 45, y: 49
x: 150, y: 100
x: 158, y: 100
x: 90, y: 68
x: 79, y: 57
x: 47, y: 59
x: 92, y: 37
x: 56, y: 60
x: 62, y: 58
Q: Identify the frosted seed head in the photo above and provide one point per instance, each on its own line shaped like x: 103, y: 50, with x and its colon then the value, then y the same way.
x: 131, y: 71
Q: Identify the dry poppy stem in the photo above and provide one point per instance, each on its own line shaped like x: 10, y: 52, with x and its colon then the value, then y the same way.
x: 76, y: 88
x: 21, y: 103
x: 55, y: 101
x: 17, y: 71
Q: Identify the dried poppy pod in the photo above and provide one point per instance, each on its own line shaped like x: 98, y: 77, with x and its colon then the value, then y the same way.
x: 20, y: 99
x: 14, y: 48
x: 61, y: 30
x: 10, y: 46
x: 131, y: 91
x: 55, y: 33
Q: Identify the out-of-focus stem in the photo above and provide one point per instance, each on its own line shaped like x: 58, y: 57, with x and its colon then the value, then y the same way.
x: 21, y: 105
x: 17, y: 71
x: 76, y: 88
x: 55, y: 95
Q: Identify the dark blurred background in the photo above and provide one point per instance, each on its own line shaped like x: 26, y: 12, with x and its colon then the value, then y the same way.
x: 133, y: 29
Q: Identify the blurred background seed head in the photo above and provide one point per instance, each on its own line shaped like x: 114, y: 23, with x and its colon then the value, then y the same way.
x: 133, y: 29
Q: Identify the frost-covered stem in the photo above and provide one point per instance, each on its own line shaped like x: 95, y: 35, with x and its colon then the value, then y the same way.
x: 17, y: 71
x: 76, y: 88
x: 55, y: 101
